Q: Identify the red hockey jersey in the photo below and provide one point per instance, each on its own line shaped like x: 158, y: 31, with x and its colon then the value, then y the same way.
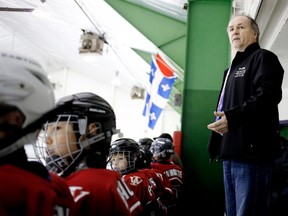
x: 173, y: 172
x: 102, y: 192
x: 64, y: 199
x: 139, y: 183
x: 25, y: 193
x: 163, y: 189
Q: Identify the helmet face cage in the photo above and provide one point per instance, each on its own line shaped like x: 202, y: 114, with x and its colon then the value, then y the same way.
x: 162, y: 148
x: 131, y: 161
x: 86, y: 127
x: 129, y: 149
x: 59, y: 144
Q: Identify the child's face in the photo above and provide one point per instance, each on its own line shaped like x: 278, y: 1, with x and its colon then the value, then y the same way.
x: 60, y: 139
x: 119, y: 161
x: 155, y: 157
x: 10, y: 123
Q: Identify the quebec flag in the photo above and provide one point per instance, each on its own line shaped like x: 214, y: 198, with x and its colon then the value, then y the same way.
x: 161, y: 81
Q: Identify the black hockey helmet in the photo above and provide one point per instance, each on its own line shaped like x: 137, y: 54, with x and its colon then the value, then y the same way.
x: 162, y: 148
x: 145, y: 142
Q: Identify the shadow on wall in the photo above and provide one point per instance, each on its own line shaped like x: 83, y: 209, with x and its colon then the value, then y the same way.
x: 200, y: 198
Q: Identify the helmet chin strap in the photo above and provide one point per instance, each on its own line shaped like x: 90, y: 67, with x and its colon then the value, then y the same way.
x: 27, y: 139
x: 87, y: 142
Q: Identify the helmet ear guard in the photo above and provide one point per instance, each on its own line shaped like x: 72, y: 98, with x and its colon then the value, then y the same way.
x: 82, y: 125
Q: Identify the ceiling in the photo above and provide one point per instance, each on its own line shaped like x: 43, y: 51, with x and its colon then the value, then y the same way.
x: 132, y: 29
x: 54, y: 40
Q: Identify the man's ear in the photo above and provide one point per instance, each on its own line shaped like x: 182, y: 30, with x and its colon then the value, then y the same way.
x: 92, y: 129
x: 255, y: 35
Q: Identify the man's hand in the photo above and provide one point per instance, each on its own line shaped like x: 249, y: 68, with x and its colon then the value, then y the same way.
x: 220, y: 126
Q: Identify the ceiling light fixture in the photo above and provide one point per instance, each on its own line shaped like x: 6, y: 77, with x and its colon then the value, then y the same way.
x: 91, y: 44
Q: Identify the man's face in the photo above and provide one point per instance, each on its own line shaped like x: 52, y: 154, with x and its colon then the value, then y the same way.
x: 240, y: 33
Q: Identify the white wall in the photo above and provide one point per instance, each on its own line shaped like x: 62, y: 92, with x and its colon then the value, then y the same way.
x: 128, y: 111
x: 283, y: 106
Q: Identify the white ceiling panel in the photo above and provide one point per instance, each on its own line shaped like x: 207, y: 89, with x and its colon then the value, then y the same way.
x: 55, y: 40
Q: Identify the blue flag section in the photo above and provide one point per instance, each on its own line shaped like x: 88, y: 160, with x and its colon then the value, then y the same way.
x: 161, y: 82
